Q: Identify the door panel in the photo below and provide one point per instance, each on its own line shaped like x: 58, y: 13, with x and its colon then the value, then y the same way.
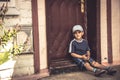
x: 61, y: 16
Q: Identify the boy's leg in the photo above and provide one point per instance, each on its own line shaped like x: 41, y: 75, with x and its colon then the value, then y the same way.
x: 82, y: 63
x: 87, y: 65
x: 107, y: 68
x: 97, y: 72
x: 98, y: 65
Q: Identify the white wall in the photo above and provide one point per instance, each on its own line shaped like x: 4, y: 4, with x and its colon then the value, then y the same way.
x: 115, y: 17
x: 103, y: 31
x: 42, y: 34
x: 116, y: 30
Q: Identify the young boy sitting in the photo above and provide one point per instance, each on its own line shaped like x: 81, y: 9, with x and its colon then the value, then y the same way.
x: 80, y: 52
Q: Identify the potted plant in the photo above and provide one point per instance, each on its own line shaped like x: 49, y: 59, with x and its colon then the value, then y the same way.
x: 8, y: 46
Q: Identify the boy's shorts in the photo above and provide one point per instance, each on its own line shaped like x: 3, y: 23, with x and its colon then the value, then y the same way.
x: 81, y: 62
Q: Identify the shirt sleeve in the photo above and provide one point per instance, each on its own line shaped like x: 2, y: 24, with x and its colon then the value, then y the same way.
x: 71, y: 48
x: 88, y: 48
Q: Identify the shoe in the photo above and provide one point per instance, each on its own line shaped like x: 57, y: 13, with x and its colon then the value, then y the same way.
x: 99, y: 72
x: 111, y: 71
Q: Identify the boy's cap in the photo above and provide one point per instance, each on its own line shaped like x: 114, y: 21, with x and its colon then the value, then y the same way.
x: 77, y: 27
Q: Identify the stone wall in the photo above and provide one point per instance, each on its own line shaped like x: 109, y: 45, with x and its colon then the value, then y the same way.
x: 19, y: 12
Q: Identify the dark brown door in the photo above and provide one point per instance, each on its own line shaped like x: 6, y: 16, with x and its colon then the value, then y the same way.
x: 62, y: 15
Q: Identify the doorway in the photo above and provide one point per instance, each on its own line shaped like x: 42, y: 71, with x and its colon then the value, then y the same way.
x: 61, y: 16
x: 92, y: 27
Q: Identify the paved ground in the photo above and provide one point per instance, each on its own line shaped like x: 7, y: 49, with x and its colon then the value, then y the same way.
x: 83, y: 75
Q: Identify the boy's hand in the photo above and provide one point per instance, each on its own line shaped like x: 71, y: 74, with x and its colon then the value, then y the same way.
x: 85, y: 57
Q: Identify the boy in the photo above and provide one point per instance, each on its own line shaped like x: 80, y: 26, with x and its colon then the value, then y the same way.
x: 80, y: 52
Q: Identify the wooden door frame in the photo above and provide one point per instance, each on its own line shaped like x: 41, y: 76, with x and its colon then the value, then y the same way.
x: 36, y: 35
x: 98, y: 32
x: 109, y: 30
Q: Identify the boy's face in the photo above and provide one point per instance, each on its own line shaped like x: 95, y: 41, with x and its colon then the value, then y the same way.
x: 78, y: 34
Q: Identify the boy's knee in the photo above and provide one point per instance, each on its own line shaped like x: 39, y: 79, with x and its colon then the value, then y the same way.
x: 94, y: 63
x: 86, y: 64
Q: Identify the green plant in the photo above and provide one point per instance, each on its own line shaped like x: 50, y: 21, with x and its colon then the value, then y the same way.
x: 4, y: 57
x: 8, y: 47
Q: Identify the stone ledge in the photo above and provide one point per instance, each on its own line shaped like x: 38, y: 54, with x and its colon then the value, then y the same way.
x: 12, y: 11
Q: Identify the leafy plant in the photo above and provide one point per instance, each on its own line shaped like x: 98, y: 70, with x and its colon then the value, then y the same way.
x: 4, y: 57
x: 8, y: 49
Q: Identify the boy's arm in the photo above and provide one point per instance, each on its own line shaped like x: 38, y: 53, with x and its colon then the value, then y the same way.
x: 88, y: 54
x: 79, y: 56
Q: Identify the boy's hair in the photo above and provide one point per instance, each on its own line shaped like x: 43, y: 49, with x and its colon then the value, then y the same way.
x: 77, y: 27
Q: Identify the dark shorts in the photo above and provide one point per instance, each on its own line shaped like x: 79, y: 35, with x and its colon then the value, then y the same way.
x: 81, y: 62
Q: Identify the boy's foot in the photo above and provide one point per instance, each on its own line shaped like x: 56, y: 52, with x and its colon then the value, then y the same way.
x: 99, y: 72
x: 111, y: 71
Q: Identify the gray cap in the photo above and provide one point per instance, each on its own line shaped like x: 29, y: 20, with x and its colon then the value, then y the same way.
x: 77, y: 27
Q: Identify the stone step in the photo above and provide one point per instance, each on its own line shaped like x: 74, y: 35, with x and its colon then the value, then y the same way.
x: 63, y: 66
x: 61, y: 63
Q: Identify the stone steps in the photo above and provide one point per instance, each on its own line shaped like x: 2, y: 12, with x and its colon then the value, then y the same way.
x: 63, y: 66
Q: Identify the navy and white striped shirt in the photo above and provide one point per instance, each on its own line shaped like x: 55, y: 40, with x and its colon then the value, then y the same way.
x: 79, y: 47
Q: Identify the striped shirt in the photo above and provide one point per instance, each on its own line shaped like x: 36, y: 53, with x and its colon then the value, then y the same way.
x: 79, y: 47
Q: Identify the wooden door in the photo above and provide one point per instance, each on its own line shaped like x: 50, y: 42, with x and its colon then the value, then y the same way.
x: 61, y: 16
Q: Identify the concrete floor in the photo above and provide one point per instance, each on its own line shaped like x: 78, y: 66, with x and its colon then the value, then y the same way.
x: 83, y: 75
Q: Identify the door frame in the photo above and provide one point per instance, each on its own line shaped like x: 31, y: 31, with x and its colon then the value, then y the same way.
x: 98, y: 31
x: 36, y: 55
x: 36, y: 35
